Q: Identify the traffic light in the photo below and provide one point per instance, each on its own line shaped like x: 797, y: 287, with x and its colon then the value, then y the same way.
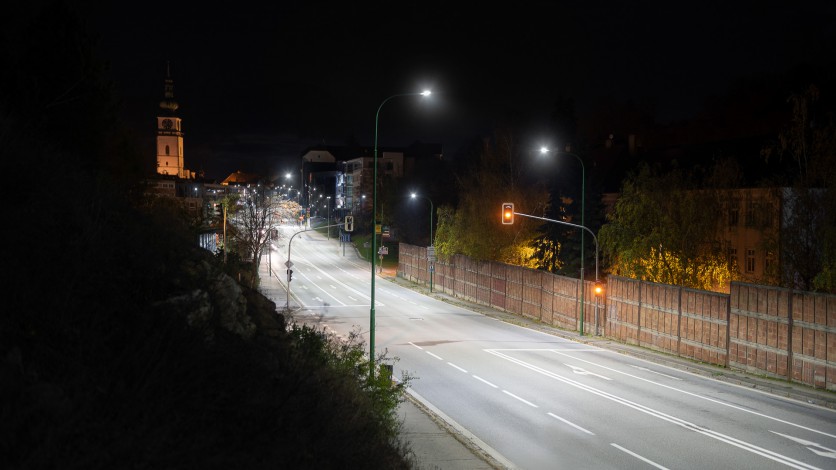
x: 507, y: 213
x: 289, y: 275
x: 349, y: 223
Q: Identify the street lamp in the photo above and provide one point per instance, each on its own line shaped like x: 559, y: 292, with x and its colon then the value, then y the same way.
x: 374, y: 224
x: 429, y: 266
x: 545, y: 150
x: 328, y: 220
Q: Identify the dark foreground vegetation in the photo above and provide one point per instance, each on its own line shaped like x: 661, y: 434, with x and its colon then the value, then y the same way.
x: 115, y: 350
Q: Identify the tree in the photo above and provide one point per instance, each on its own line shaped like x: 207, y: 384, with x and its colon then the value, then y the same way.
x: 256, y: 220
x: 664, y: 229
x: 474, y: 227
x: 808, y: 232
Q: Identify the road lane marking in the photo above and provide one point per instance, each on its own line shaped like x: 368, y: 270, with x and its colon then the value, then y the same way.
x: 643, y: 459
x: 570, y: 423
x: 457, y: 367
x: 695, y: 395
x: 349, y: 288
x: 435, y: 356
x: 811, y: 446
x: 485, y: 381
x: 520, y: 399
x: 303, y: 275
x: 749, y: 447
x: 582, y: 371
x: 645, y: 369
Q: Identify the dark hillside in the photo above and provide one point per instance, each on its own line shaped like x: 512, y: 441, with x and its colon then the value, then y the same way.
x: 118, y: 346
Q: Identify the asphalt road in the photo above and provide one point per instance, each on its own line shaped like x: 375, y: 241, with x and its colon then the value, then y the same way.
x: 539, y: 400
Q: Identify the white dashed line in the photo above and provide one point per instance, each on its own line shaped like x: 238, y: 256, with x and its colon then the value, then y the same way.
x: 520, y: 399
x: 485, y: 381
x: 643, y: 459
x: 570, y: 423
x: 435, y: 356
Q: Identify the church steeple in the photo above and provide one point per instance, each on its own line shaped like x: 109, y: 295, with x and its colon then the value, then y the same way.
x: 170, y: 134
x: 168, y: 102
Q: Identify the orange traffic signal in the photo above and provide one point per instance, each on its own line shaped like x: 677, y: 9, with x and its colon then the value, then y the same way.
x: 507, y: 213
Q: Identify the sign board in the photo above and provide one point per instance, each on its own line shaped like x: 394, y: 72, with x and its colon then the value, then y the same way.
x: 384, y: 250
x: 378, y: 229
x: 289, y: 264
x: 431, y: 253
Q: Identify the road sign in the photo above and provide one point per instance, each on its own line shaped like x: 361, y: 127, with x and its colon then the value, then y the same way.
x: 431, y: 253
x: 288, y: 264
x: 384, y: 250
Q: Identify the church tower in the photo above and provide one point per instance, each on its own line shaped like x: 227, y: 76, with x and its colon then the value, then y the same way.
x: 170, y: 134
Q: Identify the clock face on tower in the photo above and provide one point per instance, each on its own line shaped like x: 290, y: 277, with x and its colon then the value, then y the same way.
x: 167, y: 123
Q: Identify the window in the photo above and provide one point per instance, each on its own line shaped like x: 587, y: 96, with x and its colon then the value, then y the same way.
x: 732, y: 256
x: 750, y: 260
x: 752, y: 210
x: 767, y: 214
x: 769, y: 262
x: 734, y: 213
x: 166, y: 150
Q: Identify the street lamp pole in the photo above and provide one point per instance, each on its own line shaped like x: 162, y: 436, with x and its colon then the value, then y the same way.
x: 429, y: 267
x: 328, y: 214
x: 583, y: 235
x: 374, y: 225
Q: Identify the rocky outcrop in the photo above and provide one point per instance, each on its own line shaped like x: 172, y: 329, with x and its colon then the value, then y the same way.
x: 212, y: 299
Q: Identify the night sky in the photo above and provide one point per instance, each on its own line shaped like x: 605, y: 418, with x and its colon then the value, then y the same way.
x: 257, y: 84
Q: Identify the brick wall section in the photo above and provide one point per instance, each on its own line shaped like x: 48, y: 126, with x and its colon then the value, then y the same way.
x: 623, y: 315
x: 704, y: 328
x: 759, y: 329
x: 659, y: 319
x: 813, y: 321
x: 564, y: 303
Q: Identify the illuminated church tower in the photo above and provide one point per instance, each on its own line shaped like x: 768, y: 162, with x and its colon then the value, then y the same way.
x: 170, y: 135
